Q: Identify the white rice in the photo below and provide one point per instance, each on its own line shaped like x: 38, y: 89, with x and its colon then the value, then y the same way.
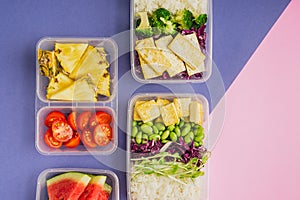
x: 153, y: 187
x: 195, y: 6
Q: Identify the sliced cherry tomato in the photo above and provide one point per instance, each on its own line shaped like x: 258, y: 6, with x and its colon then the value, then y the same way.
x: 53, y: 116
x: 100, y: 117
x: 83, y: 120
x: 50, y: 140
x: 102, y: 134
x: 62, y: 131
x: 72, y: 120
x: 73, y: 142
x: 87, y: 139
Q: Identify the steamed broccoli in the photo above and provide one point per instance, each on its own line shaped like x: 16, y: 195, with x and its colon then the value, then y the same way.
x: 143, y: 27
x: 162, y: 22
x: 200, y: 20
x: 184, y: 18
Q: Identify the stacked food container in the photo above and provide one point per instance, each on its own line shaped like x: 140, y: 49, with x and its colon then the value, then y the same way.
x: 167, y: 133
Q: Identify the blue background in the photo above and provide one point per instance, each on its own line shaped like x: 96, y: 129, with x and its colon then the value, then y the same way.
x: 239, y: 27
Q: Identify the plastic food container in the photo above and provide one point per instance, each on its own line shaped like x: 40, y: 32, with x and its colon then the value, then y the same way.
x: 135, y: 63
x: 204, y: 183
x: 80, y: 149
x: 110, y: 47
x: 109, y: 104
x: 41, y: 189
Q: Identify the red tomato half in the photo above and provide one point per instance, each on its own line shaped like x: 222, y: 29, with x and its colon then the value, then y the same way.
x: 50, y: 140
x: 72, y: 120
x: 62, y: 131
x: 87, y: 139
x: 83, y: 120
x: 73, y: 142
x: 53, y: 116
x: 102, y: 134
x: 100, y: 117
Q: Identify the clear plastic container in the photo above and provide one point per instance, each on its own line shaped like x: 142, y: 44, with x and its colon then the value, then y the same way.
x: 41, y: 188
x: 204, y: 185
x: 43, y: 105
x: 110, y: 47
x: 81, y: 149
x: 136, y: 69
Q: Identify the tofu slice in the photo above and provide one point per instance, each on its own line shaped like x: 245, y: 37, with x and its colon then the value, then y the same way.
x: 201, y: 68
x: 169, y: 114
x: 152, y: 56
x: 147, y: 70
x: 196, y: 112
x: 186, y: 51
x: 177, y: 65
x: 148, y: 111
x: 136, y: 116
x: 162, y: 102
x: 182, y: 106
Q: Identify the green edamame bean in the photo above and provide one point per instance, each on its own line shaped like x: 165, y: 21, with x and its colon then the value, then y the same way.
x: 173, y: 136
x: 134, y: 123
x: 147, y: 129
x: 187, y: 139
x: 171, y: 127
x: 192, y: 124
x: 165, y: 134
x: 139, y: 123
x: 196, y: 126
x: 160, y: 132
x: 165, y: 141
x: 177, y: 131
x: 134, y: 131
x: 196, y: 144
x: 185, y: 130
x: 149, y: 123
x: 191, y: 135
x: 144, y: 138
x: 160, y: 126
x: 138, y: 137
x: 154, y: 137
x: 187, y: 125
x: 198, y: 139
x: 181, y: 124
x: 155, y: 130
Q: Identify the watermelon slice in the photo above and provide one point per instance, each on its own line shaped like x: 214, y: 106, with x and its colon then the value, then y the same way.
x: 95, y: 186
x: 67, y: 186
x: 105, y: 193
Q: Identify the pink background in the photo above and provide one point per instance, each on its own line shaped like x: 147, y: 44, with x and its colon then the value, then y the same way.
x: 258, y: 154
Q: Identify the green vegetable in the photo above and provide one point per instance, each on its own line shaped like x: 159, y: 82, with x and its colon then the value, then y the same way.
x: 187, y: 139
x: 177, y: 131
x: 181, y: 124
x: 160, y: 126
x: 134, y: 123
x: 200, y: 20
x: 185, y: 19
x: 186, y: 130
x: 165, y: 141
x: 144, y: 29
x: 144, y: 138
x: 154, y: 137
x: 155, y: 130
x: 158, y: 165
x: 147, y: 129
x: 138, y: 137
x: 173, y: 136
x: 149, y: 123
x: 165, y: 135
x: 171, y: 127
x: 134, y: 131
x: 162, y: 22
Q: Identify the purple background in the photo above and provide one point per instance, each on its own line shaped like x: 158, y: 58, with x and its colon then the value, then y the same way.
x: 239, y: 26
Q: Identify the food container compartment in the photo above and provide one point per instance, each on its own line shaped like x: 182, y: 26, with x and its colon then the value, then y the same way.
x: 81, y: 149
x: 41, y: 189
x: 203, y: 186
x: 111, y: 49
x: 136, y: 69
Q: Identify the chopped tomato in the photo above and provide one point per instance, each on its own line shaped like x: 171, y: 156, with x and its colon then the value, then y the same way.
x: 62, y: 131
x: 73, y: 142
x: 50, y: 140
x: 72, y: 120
x: 103, y: 134
x: 100, y: 117
x: 87, y: 139
x: 83, y: 120
x: 53, y: 116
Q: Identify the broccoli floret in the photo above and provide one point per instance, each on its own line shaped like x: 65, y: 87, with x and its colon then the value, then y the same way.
x: 161, y: 22
x: 200, y: 20
x: 184, y: 18
x: 143, y: 26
